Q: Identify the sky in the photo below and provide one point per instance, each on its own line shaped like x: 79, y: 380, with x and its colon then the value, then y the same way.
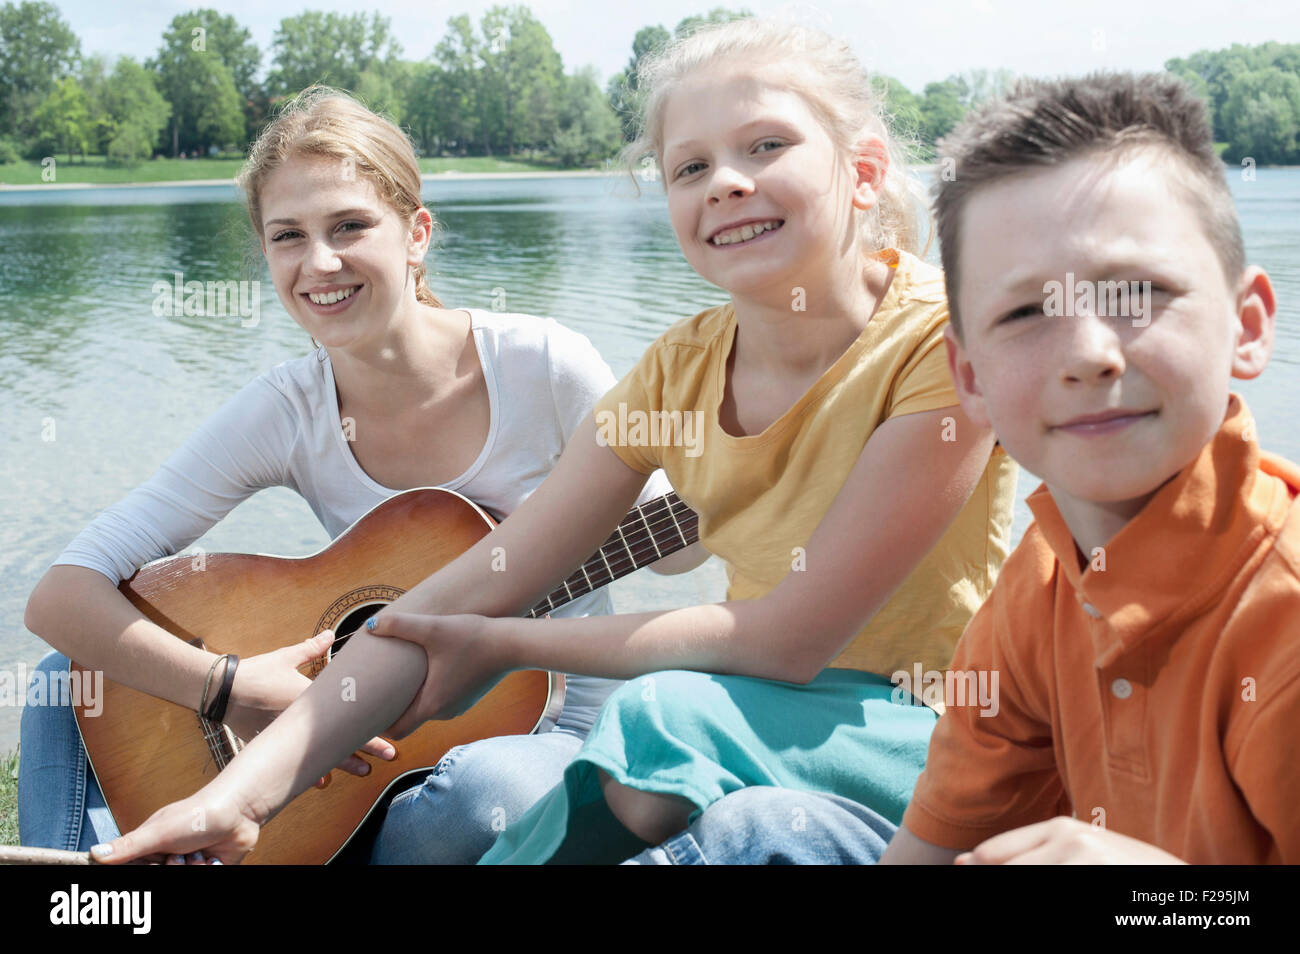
x: 918, y: 42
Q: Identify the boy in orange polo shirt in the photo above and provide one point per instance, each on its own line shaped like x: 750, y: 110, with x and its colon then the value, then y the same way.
x: 1146, y: 631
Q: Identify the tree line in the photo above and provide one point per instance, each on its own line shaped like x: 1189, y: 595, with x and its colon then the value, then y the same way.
x: 1253, y: 94
x: 495, y: 89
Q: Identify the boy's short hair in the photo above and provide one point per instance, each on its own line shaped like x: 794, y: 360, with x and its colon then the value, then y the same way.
x: 1043, y: 123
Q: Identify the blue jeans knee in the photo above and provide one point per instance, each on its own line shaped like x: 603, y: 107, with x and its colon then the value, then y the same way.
x: 473, y: 793
x: 763, y: 825
x: 59, y: 801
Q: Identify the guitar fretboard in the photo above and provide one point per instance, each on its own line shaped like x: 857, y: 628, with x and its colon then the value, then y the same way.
x: 651, y: 530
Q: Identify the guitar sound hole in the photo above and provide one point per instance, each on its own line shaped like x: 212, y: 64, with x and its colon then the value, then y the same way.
x: 352, y: 622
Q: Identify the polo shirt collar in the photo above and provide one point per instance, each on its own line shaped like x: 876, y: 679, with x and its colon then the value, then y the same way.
x: 1176, y: 556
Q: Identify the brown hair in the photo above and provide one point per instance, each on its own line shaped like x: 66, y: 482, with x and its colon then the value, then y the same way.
x: 1044, y: 123
x: 831, y: 80
x: 321, y: 121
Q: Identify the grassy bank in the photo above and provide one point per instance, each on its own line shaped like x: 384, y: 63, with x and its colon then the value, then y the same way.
x: 484, y: 164
x: 95, y: 171
x: 9, y: 799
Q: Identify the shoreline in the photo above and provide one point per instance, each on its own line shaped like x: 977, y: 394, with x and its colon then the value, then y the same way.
x: 448, y: 176
x: 424, y: 177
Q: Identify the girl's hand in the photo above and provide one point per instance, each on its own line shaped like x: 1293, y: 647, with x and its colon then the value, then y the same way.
x: 265, y: 685
x: 463, y: 657
x: 1065, y: 841
x: 205, y: 828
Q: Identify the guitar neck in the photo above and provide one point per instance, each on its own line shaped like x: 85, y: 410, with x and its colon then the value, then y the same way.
x: 650, y: 531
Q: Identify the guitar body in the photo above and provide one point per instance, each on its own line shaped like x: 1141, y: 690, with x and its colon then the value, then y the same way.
x: 147, y: 752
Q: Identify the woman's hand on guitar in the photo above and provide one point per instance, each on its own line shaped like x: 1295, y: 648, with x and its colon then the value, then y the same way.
x: 463, y: 661
x: 205, y: 828
x: 265, y: 685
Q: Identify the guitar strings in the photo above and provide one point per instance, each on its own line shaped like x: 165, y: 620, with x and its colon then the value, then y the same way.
x: 215, y: 734
x: 682, y: 524
x: 655, y: 521
x: 656, y: 516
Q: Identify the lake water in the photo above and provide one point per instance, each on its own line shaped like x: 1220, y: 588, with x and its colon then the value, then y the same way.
x: 84, y: 360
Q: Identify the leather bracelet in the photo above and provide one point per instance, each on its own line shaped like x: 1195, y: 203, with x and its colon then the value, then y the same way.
x: 217, y: 712
x: 207, y: 684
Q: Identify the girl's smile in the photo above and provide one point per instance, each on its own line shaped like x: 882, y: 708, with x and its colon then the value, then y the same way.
x: 742, y: 233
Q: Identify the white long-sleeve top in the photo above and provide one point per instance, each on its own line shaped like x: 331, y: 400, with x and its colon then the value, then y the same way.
x: 283, y: 430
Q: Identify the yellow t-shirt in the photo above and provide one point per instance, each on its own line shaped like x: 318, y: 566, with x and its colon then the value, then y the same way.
x: 760, y: 496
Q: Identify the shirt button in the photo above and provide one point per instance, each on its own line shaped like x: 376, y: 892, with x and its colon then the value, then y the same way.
x: 1092, y: 611
x: 1122, y: 688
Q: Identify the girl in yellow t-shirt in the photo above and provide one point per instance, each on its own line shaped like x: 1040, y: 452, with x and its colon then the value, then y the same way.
x: 812, y: 425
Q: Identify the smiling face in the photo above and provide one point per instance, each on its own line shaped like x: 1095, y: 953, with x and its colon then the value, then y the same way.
x: 760, y: 198
x: 338, y: 254
x: 1104, y: 408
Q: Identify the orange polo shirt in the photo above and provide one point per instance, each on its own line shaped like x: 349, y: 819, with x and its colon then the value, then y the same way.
x: 1159, y: 695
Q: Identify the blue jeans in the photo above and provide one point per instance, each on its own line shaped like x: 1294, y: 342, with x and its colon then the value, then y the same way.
x: 452, y: 818
x: 471, y: 796
x: 776, y: 826
x: 59, y: 802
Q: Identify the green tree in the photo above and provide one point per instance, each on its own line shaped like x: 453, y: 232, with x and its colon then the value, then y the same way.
x: 716, y: 15
x: 901, y: 105
x: 492, y: 91
x: 519, y: 83
x: 62, y: 120
x: 331, y: 48
x: 622, y: 89
x: 212, y: 32
x: 1195, y: 81
x: 402, y: 77
x: 93, y: 77
x: 531, y: 76
x: 219, y: 120
x: 980, y: 86
x: 136, y: 113
x: 378, y: 90
x: 203, y: 58
x: 130, y: 143
x: 1217, y: 71
x: 419, y: 111
x: 454, y: 89
x: 235, y: 46
x: 588, y: 129
x: 37, y: 49
x: 1212, y: 74
x: 1262, y: 116
x: 942, y: 108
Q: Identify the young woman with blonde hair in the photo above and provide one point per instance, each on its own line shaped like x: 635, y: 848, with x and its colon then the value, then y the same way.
x: 477, y: 402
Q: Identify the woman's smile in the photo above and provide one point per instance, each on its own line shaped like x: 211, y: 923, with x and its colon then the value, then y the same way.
x: 331, y: 301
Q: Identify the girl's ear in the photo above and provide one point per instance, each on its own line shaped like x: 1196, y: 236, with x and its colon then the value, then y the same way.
x: 871, y: 164
x: 421, y: 235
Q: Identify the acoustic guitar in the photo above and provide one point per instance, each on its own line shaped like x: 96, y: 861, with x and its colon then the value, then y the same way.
x: 147, y: 752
